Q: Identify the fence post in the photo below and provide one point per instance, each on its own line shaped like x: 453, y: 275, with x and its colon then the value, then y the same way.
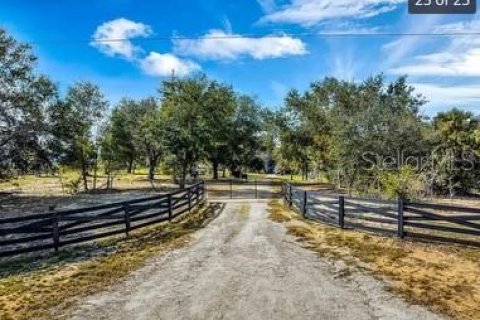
x: 304, y: 209
x: 127, y: 220
x: 290, y: 200
x: 169, y: 202
x: 231, y: 189
x: 189, y: 190
x: 341, y: 211
x: 400, y: 218
x: 56, y: 231
x: 203, y: 190
x: 256, y: 189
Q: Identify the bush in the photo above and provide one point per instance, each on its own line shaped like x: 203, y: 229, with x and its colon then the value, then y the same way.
x: 404, y: 183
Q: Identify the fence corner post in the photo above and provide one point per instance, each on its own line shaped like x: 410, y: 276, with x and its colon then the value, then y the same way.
x: 127, y: 220
x: 304, y: 209
x: 401, y: 204
x: 169, y: 202
x: 341, y: 211
x: 55, y: 228
x: 189, y: 191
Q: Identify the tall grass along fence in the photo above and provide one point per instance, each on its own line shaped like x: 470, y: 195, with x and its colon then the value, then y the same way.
x: 401, y: 218
x: 57, y: 229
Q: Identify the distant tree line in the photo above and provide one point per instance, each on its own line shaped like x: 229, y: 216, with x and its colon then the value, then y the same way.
x: 372, y: 137
x: 368, y: 137
x: 192, y: 120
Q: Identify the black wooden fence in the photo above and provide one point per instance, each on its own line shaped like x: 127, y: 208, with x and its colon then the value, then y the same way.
x: 401, y: 218
x: 56, y: 229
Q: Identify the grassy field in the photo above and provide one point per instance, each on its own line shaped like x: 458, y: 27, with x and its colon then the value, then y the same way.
x: 33, y: 194
x: 444, y: 278
x: 32, y: 289
x: 58, y: 185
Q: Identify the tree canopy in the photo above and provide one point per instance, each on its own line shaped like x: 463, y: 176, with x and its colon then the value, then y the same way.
x: 368, y: 136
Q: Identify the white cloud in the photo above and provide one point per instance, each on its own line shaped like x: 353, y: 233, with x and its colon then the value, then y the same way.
x: 157, y: 64
x: 460, y: 27
x: 399, y: 48
x: 460, y: 57
x: 312, y: 12
x: 450, y: 95
x: 113, y: 37
x: 449, y: 64
x: 219, y: 45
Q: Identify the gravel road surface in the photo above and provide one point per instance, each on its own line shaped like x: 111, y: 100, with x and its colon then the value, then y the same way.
x: 243, y: 266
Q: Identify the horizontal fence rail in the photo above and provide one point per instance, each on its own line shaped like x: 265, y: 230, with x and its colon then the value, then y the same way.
x: 401, y: 218
x: 56, y: 229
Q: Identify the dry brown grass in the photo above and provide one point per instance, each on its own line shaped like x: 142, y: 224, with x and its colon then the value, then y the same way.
x: 31, y: 185
x: 444, y: 278
x: 34, y: 293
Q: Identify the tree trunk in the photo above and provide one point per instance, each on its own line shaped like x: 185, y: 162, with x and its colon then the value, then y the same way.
x: 183, y: 177
x: 130, y: 166
x: 152, y: 164
x: 215, y: 169
x: 84, y: 170
x: 151, y: 169
x: 95, y: 172
x: 108, y: 171
x: 224, y: 172
x: 84, y: 176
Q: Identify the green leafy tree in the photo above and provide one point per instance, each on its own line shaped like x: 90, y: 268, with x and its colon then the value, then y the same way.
x: 382, y: 122
x: 124, y: 123
x: 456, y: 146
x: 244, y: 138
x: 217, y: 119
x: 24, y: 98
x: 74, y: 123
x: 336, y: 125
x: 183, y: 102
x: 151, y: 135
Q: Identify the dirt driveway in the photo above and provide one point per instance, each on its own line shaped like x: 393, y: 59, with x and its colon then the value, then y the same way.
x: 243, y: 266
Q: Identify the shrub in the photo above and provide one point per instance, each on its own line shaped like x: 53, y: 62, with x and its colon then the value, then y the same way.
x: 404, y: 183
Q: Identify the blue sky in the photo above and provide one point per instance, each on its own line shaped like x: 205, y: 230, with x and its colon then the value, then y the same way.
x: 261, y: 47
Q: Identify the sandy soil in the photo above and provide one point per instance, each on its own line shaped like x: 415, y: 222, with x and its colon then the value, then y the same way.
x: 243, y: 266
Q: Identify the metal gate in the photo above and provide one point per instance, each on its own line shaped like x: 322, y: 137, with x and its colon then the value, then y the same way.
x: 242, y: 189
